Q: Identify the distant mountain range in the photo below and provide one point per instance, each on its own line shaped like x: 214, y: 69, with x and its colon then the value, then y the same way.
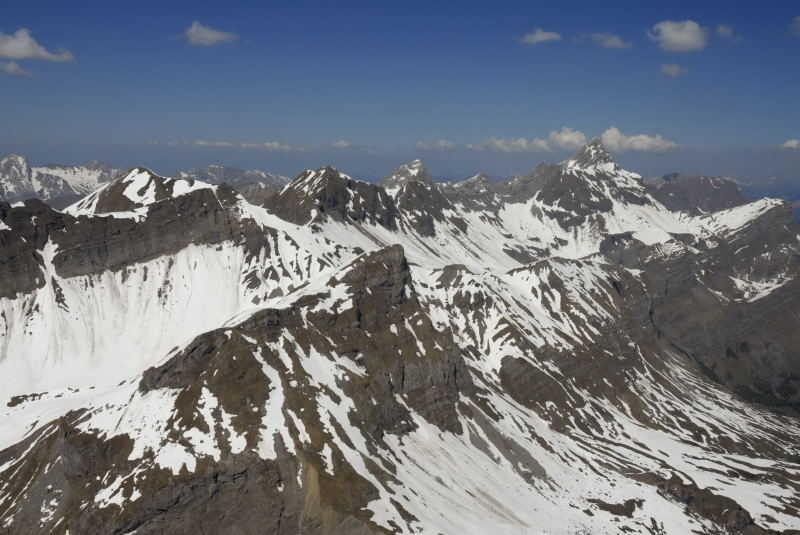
x: 62, y: 185
x: 257, y: 186
x: 59, y: 185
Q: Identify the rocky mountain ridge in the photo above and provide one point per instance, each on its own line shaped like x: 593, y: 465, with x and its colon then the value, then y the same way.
x: 63, y: 185
x: 562, y: 353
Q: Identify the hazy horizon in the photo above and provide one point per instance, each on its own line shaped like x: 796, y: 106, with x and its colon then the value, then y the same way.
x: 758, y: 165
x: 701, y: 89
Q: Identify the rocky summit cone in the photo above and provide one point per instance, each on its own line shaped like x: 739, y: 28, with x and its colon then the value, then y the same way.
x: 593, y: 163
x: 414, y: 171
x: 592, y: 154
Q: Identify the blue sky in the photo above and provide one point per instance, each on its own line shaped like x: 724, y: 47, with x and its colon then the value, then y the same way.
x: 365, y: 86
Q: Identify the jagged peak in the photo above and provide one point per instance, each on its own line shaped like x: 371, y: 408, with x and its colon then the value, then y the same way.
x: 592, y: 154
x: 480, y: 181
x: 134, y: 172
x: 311, y: 180
x: 414, y: 165
x: 13, y: 157
x: 14, y: 161
x: 479, y: 177
x: 132, y: 192
x: 312, y: 183
x: 141, y: 175
x: 328, y: 171
x: 413, y: 171
x: 316, y: 194
x: 595, y: 161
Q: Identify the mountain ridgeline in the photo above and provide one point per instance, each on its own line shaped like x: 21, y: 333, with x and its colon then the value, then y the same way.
x: 62, y: 185
x: 572, y: 351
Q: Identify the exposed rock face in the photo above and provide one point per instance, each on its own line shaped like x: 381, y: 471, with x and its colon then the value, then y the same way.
x: 559, y: 353
x: 696, y: 194
x: 22, y: 238
x: 590, y: 183
x: 525, y: 187
x: 477, y: 193
x: 475, y: 184
x: 331, y: 499
x: 259, y: 193
x: 424, y: 205
x: 724, y: 511
x: 729, y: 290
x: 329, y: 193
x: 88, y: 245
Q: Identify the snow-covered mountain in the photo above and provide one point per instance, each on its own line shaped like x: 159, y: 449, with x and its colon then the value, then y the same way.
x: 220, y: 174
x: 59, y: 185
x: 62, y: 185
x: 566, y: 352
x: 255, y: 185
x: 409, y: 172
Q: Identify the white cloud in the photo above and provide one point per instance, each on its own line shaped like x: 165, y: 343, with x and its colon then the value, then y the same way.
x: 791, y: 144
x: 200, y: 35
x: 609, y: 40
x: 13, y: 68
x: 204, y: 143
x: 794, y: 26
x: 679, y: 36
x: 567, y: 138
x: 437, y: 144
x: 673, y: 70
x: 342, y: 144
x: 540, y: 36
x: 615, y: 140
x: 270, y: 146
x: 21, y: 45
x: 520, y: 144
x: 726, y: 31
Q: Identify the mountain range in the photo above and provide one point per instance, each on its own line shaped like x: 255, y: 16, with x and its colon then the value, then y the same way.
x: 62, y: 185
x: 572, y: 351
